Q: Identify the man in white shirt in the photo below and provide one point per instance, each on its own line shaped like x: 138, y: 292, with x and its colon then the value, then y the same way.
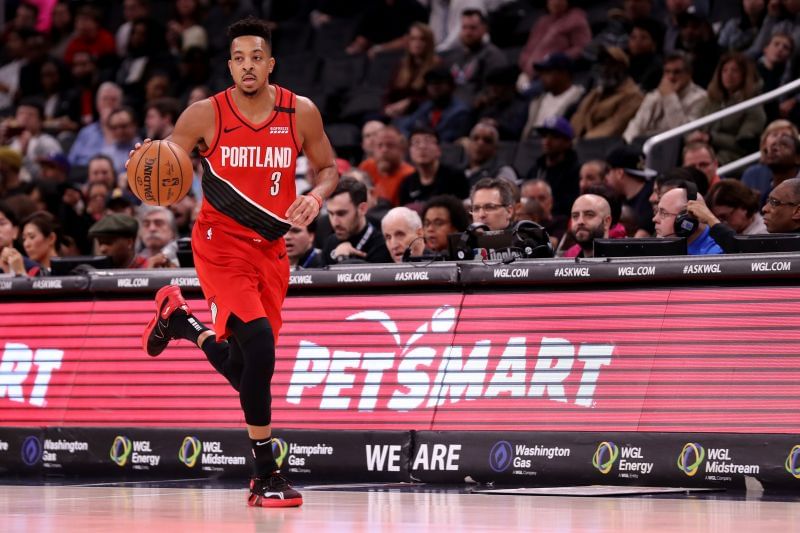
x: 560, y: 94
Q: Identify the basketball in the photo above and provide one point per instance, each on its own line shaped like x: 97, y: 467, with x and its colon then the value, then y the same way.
x: 160, y: 173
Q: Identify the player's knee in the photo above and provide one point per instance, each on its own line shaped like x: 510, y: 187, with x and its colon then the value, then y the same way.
x: 246, y: 332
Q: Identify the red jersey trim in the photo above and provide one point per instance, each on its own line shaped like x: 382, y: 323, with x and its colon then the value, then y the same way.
x: 269, y: 120
x: 218, y: 119
x: 244, y: 196
x: 293, y: 122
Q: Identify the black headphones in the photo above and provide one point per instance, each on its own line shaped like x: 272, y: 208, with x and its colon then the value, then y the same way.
x: 685, y: 224
x: 468, y: 241
x: 532, y: 239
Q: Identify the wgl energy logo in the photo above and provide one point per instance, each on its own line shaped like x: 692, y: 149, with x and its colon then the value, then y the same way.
x: 605, y: 456
x: 792, y: 463
x: 120, y: 450
x: 138, y: 452
x: 691, y: 457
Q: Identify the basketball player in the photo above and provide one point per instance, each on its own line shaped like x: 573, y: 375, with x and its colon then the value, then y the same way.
x: 249, y: 137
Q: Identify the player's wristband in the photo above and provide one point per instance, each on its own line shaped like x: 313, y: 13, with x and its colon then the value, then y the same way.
x: 316, y: 197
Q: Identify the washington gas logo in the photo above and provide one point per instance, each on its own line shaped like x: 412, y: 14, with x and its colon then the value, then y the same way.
x: 31, y: 450
x: 120, y: 450
x: 191, y: 448
x: 793, y: 462
x: 605, y: 456
x: 279, y: 450
x: 690, y: 458
x: 500, y: 456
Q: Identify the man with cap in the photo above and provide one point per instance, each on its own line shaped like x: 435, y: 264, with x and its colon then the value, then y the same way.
x: 10, y: 181
x: 696, y: 37
x: 559, y: 95
x: 444, y: 113
x: 558, y: 165
x: 55, y: 167
x: 115, y: 234
x: 629, y: 177
x: 501, y: 103
x: 607, y: 109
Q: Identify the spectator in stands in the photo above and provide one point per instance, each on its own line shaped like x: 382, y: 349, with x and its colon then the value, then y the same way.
x: 445, y: 20
x: 676, y: 101
x: 101, y: 169
x: 608, y: 108
x: 737, y: 205
x: 773, y: 67
x: 482, y: 161
x: 782, y: 210
x: 538, y: 193
x: 160, y: 117
x: 697, y: 39
x: 147, y: 54
x: 470, y: 62
x: 492, y: 202
x: 592, y: 173
x: 197, y: 93
x: 782, y: 16
x: 388, y: 168
x: 122, y: 125
x: 441, y: 216
x: 402, y: 231
x: 131, y: 10
x: 10, y: 164
x: 759, y: 177
x: 54, y: 168
x: 369, y: 135
x: 41, y: 238
x: 629, y: 177
x: 384, y: 25
x: 616, y: 28
x: 735, y: 80
x: 90, y: 36
x: 737, y: 34
x: 11, y: 260
x: 60, y: 116
x: 430, y: 177
x: 376, y: 207
x: 24, y: 134
x: 30, y: 77
x: 702, y: 157
x: 300, y: 247
x: 783, y: 158
x: 564, y: 28
x: 115, y: 236
x: 184, y: 212
x: 406, y: 90
x: 590, y: 220
x: 92, y: 138
x: 85, y: 82
x: 97, y: 194
x: 672, y: 204
x: 354, y: 239
x: 184, y: 29
x: 500, y: 103
x: 61, y: 28
x: 560, y: 95
x: 443, y: 112
x: 158, y: 235
x: 558, y: 165
x: 644, y: 51
x: 14, y: 57
x: 675, y: 8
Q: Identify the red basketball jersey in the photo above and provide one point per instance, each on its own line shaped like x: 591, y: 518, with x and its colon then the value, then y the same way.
x: 248, y: 169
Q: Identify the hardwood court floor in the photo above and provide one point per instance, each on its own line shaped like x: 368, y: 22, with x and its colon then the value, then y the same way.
x: 177, y: 508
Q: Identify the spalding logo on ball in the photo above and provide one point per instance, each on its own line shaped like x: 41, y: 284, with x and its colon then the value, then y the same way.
x: 160, y: 173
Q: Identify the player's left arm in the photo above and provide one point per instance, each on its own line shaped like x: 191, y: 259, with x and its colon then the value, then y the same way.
x: 317, y: 149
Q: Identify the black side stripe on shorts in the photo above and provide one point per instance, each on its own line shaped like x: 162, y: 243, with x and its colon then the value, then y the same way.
x: 227, y: 200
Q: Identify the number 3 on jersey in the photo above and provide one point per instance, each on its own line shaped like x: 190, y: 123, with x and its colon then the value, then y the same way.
x: 275, y: 187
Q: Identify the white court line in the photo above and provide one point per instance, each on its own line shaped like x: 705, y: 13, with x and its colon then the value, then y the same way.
x: 134, y: 482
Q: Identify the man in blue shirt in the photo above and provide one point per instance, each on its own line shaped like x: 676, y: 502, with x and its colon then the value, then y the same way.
x: 672, y: 204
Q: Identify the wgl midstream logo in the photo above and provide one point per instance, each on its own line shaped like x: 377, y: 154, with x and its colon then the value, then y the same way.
x: 792, y: 463
x: 138, y: 452
x: 607, y: 453
x: 212, y: 456
x: 503, y: 455
x: 714, y: 461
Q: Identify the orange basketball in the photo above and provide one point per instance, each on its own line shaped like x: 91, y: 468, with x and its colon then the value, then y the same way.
x: 160, y: 173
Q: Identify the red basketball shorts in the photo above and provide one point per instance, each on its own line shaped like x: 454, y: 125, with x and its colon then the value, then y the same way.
x: 240, y: 276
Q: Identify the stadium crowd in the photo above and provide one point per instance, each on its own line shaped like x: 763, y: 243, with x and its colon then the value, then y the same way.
x: 443, y: 113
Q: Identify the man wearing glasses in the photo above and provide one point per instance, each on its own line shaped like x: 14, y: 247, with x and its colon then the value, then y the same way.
x: 782, y: 210
x: 673, y: 203
x: 492, y: 202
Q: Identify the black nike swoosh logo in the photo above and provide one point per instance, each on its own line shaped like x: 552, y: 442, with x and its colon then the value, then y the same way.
x: 228, y: 130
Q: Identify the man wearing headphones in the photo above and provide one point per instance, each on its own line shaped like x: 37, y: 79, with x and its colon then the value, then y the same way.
x: 672, y: 220
x: 493, y: 201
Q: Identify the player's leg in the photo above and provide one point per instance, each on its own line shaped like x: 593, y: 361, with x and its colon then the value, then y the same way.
x: 257, y: 343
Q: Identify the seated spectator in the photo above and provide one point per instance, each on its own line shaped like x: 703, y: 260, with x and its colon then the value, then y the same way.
x: 629, y: 178
x: 702, y: 157
x: 24, y: 134
x: 733, y: 203
x: 10, y: 164
x: 500, y: 103
x: 160, y: 116
x: 383, y: 26
x: 737, y: 34
x: 564, y: 28
x: 300, y: 247
x: 539, y: 192
x: 674, y: 203
x: 470, y: 62
x: 354, y: 239
x: 644, y: 51
x: 131, y: 10
x: 697, y: 40
x: 115, y: 236
x: 445, y: 20
x: 590, y: 220
x: 92, y: 138
x: 90, y: 36
x: 14, y: 59
x: 733, y: 137
x: 376, y: 207
x: 97, y: 194
x: 559, y: 97
x: 402, y: 231
x: 442, y: 111
x: 773, y: 67
x: 675, y: 8
x: 388, y: 168
x: 592, y: 173
x: 558, y: 164
x: 60, y: 116
x: 84, y: 92
x: 369, y: 136
x: 147, y: 54
x: 783, y: 158
x: 158, y: 235
x: 482, y: 161
x: 782, y: 210
x: 406, y: 90
x: 184, y: 212
x: 441, y: 216
x: 11, y: 260
x: 758, y: 176
x: 41, y: 239
x: 61, y: 28
x: 124, y: 136
x: 782, y: 16
x: 617, y: 229
x: 184, y: 28
x: 676, y: 101
x: 616, y: 29
x: 492, y: 202
x: 430, y: 177
x: 607, y: 109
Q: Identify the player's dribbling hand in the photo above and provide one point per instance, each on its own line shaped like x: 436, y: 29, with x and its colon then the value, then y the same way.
x: 136, y: 147
x: 304, y: 209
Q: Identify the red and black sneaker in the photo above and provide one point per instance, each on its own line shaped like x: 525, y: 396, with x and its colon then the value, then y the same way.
x: 273, y: 491
x: 157, y: 334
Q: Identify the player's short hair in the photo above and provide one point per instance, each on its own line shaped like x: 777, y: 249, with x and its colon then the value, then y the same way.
x: 250, y: 25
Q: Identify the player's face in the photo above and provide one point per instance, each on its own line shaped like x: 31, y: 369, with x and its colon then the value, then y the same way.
x: 250, y: 63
